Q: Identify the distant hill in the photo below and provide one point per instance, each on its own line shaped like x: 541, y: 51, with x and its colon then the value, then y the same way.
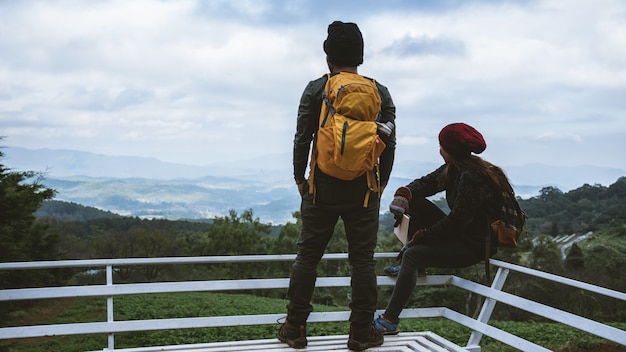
x: 59, y: 163
x: 68, y: 163
x: 147, y: 187
x: 201, y: 198
x: 68, y: 211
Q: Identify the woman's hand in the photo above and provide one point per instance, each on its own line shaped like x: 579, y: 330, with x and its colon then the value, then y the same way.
x: 415, y: 238
x: 400, y: 204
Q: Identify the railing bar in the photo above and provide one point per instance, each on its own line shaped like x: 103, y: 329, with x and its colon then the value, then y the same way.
x: 563, y: 280
x: 581, y: 323
x: 110, y: 319
x: 263, y: 319
x: 493, y: 332
x: 135, y: 325
x: 170, y: 260
x: 280, y: 257
x: 128, y: 289
x: 185, y: 323
x: 488, y: 305
x: 443, y: 342
x: 187, y: 286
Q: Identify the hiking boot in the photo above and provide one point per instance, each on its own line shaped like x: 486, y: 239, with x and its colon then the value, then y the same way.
x: 292, y: 334
x: 385, y: 326
x: 362, y: 338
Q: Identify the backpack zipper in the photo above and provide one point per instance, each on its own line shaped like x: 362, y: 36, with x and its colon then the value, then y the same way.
x: 325, y: 118
x: 352, y: 84
x: 343, y: 136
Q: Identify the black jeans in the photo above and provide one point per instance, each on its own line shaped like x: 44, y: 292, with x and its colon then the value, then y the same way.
x: 334, y: 200
x: 453, y: 254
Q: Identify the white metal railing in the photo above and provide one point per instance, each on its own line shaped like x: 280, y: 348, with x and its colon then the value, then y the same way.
x: 110, y: 290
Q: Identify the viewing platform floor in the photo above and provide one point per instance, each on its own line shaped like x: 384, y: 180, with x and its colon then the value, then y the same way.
x: 403, y: 342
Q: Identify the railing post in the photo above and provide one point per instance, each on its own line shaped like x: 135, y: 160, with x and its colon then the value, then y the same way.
x: 111, y: 339
x: 473, y: 344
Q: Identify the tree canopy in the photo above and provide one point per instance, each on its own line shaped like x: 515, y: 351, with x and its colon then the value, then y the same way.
x: 21, y: 194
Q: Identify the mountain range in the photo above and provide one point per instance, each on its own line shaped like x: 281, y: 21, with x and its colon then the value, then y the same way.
x: 148, y: 187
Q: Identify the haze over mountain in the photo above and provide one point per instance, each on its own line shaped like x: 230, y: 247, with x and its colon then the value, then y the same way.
x: 148, y: 187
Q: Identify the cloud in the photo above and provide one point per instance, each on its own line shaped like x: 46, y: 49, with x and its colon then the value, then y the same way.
x: 212, y: 81
x: 409, y: 46
x: 413, y: 140
x: 553, y: 136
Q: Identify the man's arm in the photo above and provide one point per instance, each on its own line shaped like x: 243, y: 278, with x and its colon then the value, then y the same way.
x: 388, y: 114
x: 306, y: 126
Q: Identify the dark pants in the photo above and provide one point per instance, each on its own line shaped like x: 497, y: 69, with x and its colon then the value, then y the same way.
x: 318, y: 224
x: 453, y: 254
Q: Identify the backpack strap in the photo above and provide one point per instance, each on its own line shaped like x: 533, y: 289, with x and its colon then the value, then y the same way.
x: 373, y: 184
x: 312, y: 170
x: 313, y: 163
x: 487, y: 252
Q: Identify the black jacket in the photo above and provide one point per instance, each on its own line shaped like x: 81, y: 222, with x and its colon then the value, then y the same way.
x: 471, y: 197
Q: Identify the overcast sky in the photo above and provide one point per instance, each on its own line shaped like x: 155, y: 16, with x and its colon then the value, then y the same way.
x: 202, y: 82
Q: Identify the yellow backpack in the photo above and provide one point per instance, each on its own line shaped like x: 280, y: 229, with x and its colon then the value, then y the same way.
x: 346, y: 144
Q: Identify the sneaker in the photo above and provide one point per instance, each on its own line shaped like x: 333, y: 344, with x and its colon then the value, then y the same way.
x: 392, y: 270
x: 395, y: 269
x: 385, y: 326
x: 293, y: 335
x: 362, y: 338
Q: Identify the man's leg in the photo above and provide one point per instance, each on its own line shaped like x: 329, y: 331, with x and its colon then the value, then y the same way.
x: 318, y: 225
x: 361, y: 226
x: 361, y: 230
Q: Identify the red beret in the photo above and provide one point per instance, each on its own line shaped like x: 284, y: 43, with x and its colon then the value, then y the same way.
x: 461, y: 139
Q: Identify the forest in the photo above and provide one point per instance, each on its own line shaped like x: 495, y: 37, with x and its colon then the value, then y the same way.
x: 34, y: 226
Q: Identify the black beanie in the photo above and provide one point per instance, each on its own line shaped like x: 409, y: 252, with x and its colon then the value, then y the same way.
x: 344, y: 44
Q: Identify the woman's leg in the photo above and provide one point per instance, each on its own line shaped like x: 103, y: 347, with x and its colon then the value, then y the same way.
x: 450, y: 255
x: 423, y: 214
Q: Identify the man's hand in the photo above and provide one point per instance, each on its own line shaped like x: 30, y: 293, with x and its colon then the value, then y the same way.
x: 302, y: 187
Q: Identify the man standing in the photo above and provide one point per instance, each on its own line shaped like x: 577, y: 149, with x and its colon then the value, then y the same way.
x: 325, y: 198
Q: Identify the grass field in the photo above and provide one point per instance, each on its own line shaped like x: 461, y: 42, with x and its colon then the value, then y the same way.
x: 155, y: 306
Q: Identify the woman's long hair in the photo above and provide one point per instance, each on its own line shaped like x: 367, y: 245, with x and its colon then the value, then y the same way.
x: 476, y: 163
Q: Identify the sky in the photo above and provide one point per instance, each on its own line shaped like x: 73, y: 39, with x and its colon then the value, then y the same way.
x: 209, y: 82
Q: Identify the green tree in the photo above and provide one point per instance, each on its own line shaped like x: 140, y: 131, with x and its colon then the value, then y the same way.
x: 155, y: 240
x: 550, y: 194
x: 21, y: 194
x: 117, y: 243
x: 545, y: 256
x: 574, y: 262
x: 22, y: 237
x: 285, y: 243
x: 237, y: 235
